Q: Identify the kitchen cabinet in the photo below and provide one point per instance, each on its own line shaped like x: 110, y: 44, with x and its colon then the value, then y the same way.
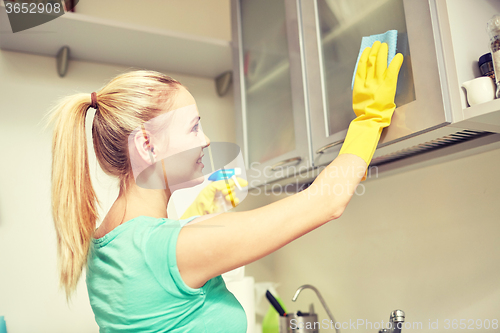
x: 295, y: 102
x: 332, y: 32
x: 269, y: 76
x: 332, y: 36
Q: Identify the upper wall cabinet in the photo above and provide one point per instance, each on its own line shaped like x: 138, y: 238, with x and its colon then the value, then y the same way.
x: 333, y: 30
x: 294, y: 62
x: 272, y: 123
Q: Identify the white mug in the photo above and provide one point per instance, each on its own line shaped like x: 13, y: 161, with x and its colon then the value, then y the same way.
x: 480, y: 90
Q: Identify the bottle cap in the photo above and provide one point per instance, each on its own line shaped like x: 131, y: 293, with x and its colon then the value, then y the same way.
x: 484, y: 59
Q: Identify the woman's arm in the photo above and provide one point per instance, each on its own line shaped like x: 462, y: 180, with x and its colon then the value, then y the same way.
x: 226, y: 241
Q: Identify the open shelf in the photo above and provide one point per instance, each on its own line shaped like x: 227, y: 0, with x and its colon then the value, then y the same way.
x: 106, y: 41
x: 481, y: 109
x: 484, y: 117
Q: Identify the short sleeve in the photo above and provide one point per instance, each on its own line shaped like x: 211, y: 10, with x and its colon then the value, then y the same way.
x: 160, y: 256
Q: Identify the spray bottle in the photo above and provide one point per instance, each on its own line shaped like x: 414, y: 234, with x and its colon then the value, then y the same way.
x: 225, y: 174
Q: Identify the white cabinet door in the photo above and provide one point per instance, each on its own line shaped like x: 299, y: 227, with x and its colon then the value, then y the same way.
x: 271, y: 112
x: 333, y: 30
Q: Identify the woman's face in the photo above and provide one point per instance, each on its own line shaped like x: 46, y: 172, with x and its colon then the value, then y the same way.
x: 177, y: 142
x: 186, y: 141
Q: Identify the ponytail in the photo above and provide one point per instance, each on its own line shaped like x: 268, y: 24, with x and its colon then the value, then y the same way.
x: 74, y: 202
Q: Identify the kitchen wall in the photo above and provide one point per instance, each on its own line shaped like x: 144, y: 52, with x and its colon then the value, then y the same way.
x: 29, y: 85
x: 424, y: 241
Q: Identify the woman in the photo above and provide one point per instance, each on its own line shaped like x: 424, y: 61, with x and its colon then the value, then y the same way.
x: 148, y: 273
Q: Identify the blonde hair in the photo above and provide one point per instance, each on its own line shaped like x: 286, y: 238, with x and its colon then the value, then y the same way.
x: 123, y: 104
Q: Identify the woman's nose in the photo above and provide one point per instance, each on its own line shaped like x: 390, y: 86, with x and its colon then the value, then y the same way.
x: 207, y: 141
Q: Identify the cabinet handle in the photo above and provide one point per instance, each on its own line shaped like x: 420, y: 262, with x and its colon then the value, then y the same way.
x: 328, y: 146
x: 280, y: 165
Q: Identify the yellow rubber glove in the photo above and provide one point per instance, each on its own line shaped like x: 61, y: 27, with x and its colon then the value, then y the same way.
x: 205, y: 201
x: 372, y: 101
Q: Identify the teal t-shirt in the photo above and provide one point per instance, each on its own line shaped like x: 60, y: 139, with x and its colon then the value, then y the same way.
x: 134, y: 284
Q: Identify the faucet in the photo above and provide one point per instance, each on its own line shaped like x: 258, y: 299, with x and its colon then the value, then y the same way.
x: 396, y: 319
x: 308, y: 286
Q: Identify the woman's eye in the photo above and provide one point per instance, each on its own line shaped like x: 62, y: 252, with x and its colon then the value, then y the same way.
x: 195, y: 128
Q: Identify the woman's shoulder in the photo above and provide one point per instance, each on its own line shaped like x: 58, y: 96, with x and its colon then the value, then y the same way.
x: 108, y: 232
x: 109, y: 224
x: 138, y: 226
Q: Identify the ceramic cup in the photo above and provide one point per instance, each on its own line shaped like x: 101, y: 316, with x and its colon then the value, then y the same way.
x: 480, y: 90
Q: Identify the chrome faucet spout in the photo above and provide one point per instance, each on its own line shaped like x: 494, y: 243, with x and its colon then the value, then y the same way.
x: 308, y: 286
x: 397, y: 319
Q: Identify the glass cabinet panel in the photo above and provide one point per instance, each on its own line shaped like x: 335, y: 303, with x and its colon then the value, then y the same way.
x: 342, y: 24
x: 266, y: 69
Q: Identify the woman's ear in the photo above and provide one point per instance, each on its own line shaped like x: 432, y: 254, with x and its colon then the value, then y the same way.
x: 144, y: 147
